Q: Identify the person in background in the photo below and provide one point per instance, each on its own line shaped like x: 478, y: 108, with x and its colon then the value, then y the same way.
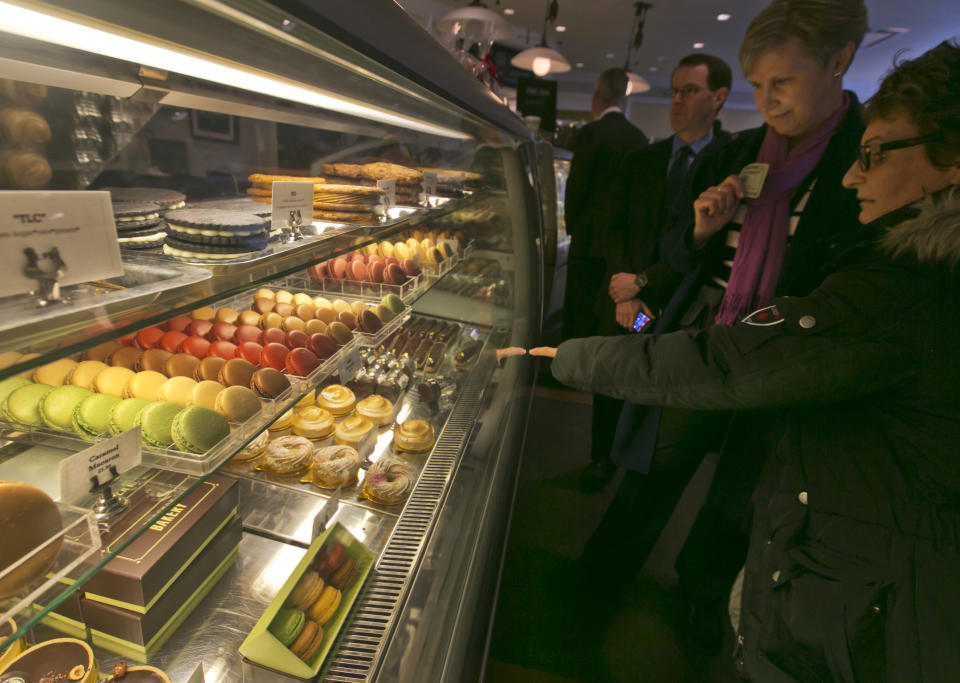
x: 794, y: 54
x: 854, y: 553
x: 598, y: 151
x: 650, y: 182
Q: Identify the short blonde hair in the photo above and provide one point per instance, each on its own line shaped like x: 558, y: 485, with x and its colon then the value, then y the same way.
x: 824, y: 27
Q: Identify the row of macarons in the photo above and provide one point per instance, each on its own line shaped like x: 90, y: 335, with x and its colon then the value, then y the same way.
x: 191, y: 429
x: 390, y: 263
x: 314, y: 601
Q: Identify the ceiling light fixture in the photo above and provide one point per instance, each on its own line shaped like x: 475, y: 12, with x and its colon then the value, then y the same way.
x: 542, y: 59
x: 130, y: 46
x: 723, y: 16
x: 508, y: 11
x: 579, y: 65
x: 476, y: 24
x: 635, y: 82
x: 560, y: 29
x: 698, y: 46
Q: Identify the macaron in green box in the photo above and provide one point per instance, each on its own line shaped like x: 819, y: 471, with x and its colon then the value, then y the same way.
x: 264, y: 648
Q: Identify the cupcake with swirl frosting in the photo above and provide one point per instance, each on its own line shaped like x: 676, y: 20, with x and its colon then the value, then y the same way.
x: 414, y: 436
x: 336, y: 398
x: 377, y: 409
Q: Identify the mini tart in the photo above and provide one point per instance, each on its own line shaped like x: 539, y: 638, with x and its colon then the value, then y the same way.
x: 336, y: 398
x: 387, y: 481
x: 313, y: 422
x: 350, y: 432
x: 288, y: 456
x: 60, y: 659
x: 255, y: 448
x: 335, y: 466
x: 414, y: 436
x: 377, y: 409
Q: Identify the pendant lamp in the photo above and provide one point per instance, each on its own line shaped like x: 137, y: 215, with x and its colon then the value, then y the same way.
x: 476, y: 24
x: 635, y: 82
x: 542, y: 59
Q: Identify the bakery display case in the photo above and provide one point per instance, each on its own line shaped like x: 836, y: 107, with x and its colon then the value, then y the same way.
x: 317, y: 255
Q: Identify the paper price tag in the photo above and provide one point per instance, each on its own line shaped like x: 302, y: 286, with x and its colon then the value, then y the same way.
x: 325, y: 514
x: 430, y: 183
x: 349, y: 366
x: 292, y: 204
x: 389, y: 185
x: 753, y: 176
x: 82, y: 472
x: 46, y: 232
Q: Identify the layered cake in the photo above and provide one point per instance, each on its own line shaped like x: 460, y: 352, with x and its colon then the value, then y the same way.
x: 165, y: 199
x: 139, y: 225
x: 214, y: 234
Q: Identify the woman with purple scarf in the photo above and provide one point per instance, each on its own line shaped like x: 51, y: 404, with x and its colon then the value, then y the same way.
x: 741, y: 243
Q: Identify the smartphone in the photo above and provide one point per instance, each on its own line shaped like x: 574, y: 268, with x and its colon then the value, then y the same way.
x: 641, y: 322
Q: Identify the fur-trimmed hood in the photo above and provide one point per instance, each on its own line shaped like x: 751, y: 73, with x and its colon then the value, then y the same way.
x: 932, y: 235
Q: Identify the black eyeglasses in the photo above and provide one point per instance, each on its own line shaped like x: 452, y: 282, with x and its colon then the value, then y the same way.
x: 685, y: 92
x: 865, y: 152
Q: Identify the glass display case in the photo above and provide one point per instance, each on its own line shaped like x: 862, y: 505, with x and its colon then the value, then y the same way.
x: 246, y: 347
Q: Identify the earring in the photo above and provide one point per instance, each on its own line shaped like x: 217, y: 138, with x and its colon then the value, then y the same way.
x: 838, y: 74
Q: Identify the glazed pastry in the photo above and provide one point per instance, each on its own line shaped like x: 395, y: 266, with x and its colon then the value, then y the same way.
x: 313, y: 422
x: 414, y: 436
x: 282, y: 422
x: 351, y: 431
x: 28, y: 518
x: 377, y: 409
x: 255, y: 448
x: 389, y: 480
x: 335, y: 466
x: 336, y: 398
x: 288, y: 455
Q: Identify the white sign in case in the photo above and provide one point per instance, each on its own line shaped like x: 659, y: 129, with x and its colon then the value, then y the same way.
x: 292, y: 202
x: 389, y: 185
x: 70, y: 231
x: 83, y: 472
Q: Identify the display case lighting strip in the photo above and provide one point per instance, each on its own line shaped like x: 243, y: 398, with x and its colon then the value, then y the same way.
x: 107, y: 40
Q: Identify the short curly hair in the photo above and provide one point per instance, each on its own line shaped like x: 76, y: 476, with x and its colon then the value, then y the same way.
x: 927, y: 91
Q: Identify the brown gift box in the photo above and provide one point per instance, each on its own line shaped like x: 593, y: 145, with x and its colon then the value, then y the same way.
x: 140, y: 573
x: 138, y: 630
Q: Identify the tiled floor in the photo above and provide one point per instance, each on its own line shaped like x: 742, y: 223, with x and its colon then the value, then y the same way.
x: 554, y: 625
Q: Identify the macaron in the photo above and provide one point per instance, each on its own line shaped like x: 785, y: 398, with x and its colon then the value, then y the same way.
x: 340, y: 333
x: 54, y: 373
x: 265, y: 293
x: 283, y: 296
x: 94, y: 414
x: 328, y: 559
x: 153, y: 359
x: 237, y: 404
x: 273, y: 356
x: 23, y: 404
x: 306, y: 592
x: 299, y: 338
x: 196, y: 429
x: 8, y: 385
x: 274, y: 335
x: 344, y: 574
x: 199, y: 328
x: 145, y: 385
x: 176, y: 390
x: 393, y: 275
x: 148, y: 338
x: 316, y: 326
x: 248, y: 333
x: 409, y: 267
x: 292, y: 322
x: 251, y: 318
x: 357, y: 306
x: 307, y: 644
x: 285, y: 310
x: 326, y: 314
x: 178, y: 323
x: 384, y: 313
x: 306, y: 311
x: 301, y: 362
x: 249, y: 351
x: 287, y: 625
x: 170, y: 341
x: 56, y: 407
x: 269, y: 383
x: 393, y: 302
x: 112, y: 381
x: 203, y: 313
x: 205, y: 394
x: 325, y: 606
x: 181, y: 365
x: 323, y: 345
x: 123, y: 414
x: 100, y: 352
x: 368, y: 322
x: 227, y: 315
x: 124, y: 357
x: 224, y: 349
x: 301, y: 298
x: 85, y: 372
x: 273, y: 319
x: 155, y: 421
x: 375, y: 271
x: 236, y: 372
x: 340, y: 306
x: 209, y: 368
x: 222, y: 332
x: 263, y: 305
x: 349, y: 319
x: 195, y: 346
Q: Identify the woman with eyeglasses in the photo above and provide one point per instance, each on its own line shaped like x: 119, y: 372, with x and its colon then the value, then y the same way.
x: 854, y: 554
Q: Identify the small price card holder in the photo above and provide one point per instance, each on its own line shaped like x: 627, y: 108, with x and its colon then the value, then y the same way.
x: 92, y: 470
x: 389, y: 185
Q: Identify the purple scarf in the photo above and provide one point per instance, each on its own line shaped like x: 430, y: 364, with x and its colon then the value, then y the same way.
x: 763, y: 236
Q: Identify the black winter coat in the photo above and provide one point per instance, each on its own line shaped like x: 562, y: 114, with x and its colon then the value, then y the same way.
x: 852, y: 572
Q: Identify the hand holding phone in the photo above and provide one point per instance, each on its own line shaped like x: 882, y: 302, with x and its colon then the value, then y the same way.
x: 641, y: 321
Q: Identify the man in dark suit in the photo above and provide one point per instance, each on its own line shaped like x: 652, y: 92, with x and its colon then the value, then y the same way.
x: 646, y: 189
x: 598, y: 151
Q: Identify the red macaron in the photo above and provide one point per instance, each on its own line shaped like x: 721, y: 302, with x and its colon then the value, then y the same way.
x: 323, y: 345
x: 328, y: 559
x: 172, y: 340
x: 274, y: 335
x: 375, y: 271
x: 248, y: 333
x: 297, y: 339
x: 149, y: 338
x: 339, y: 268
x: 223, y: 349
x: 179, y: 323
x: 195, y: 346
x: 410, y: 267
x: 199, y: 328
x: 249, y: 351
x: 222, y: 332
x: 394, y: 275
x: 301, y: 362
x: 317, y: 272
x: 358, y: 270
x: 273, y: 356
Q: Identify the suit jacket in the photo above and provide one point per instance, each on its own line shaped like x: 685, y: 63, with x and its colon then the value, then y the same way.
x: 598, y: 151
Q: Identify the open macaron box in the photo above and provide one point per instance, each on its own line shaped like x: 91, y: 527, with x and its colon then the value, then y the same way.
x: 265, y: 657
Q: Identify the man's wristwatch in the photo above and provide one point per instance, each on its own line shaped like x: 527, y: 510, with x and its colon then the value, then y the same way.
x: 641, y: 280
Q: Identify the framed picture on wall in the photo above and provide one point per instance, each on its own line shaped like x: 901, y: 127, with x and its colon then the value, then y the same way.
x: 205, y: 125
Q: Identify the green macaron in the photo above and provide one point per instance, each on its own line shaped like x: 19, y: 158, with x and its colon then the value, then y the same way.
x: 91, y: 417
x: 8, y: 385
x: 156, y: 420
x: 393, y: 302
x: 57, y: 407
x: 23, y: 405
x: 197, y: 429
x: 288, y: 623
x: 124, y: 414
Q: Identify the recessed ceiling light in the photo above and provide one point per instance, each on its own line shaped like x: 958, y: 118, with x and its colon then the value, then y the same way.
x: 610, y: 55
x: 897, y: 29
x: 579, y: 65
x: 653, y: 68
x: 698, y: 46
x: 561, y: 29
x: 661, y: 59
x: 508, y: 10
x: 723, y: 16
